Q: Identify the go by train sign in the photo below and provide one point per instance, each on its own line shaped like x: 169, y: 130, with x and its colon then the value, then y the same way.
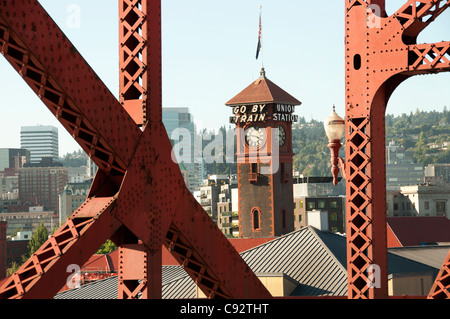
x: 262, y: 112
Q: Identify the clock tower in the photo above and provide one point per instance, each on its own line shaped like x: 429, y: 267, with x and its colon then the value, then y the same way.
x: 263, y: 114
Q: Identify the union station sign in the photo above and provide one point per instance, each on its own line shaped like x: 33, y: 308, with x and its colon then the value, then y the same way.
x: 260, y: 113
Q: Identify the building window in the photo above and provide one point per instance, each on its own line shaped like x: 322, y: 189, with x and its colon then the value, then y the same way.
x: 254, y: 172
x: 321, y: 204
x: 427, y: 205
x: 333, y: 217
x: 334, y: 204
x: 311, y: 205
x: 440, y: 207
x: 256, y: 219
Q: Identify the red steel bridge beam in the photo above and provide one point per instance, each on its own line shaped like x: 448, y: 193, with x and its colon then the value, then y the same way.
x: 140, y: 93
x: 138, y: 197
x: 380, y: 53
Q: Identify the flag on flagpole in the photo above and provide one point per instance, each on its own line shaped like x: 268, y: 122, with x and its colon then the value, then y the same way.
x: 259, y: 37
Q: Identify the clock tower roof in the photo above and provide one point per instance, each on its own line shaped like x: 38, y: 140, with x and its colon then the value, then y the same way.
x: 263, y: 91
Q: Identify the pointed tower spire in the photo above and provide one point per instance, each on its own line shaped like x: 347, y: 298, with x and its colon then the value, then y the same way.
x: 262, y: 74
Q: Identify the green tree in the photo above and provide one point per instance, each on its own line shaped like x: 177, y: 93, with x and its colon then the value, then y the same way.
x: 14, y: 267
x: 106, y: 248
x: 38, y: 238
x: 420, y: 149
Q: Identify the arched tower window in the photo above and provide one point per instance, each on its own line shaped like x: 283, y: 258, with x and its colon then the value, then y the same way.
x: 256, y: 219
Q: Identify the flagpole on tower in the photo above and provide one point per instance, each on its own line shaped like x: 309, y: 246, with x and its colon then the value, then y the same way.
x: 260, y: 45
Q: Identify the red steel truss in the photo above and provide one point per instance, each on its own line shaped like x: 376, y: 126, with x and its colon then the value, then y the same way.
x: 138, y: 198
x: 381, y: 52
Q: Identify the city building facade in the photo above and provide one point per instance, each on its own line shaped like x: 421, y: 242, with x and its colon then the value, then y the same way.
x: 180, y: 127
x: 419, y: 200
x: 41, y: 183
x: 71, y: 198
x: 9, y: 187
x: 401, y: 167
x: 13, y: 158
x: 228, y: 209
x: 30, y: 220
x: 437, y: 174
x: 330, y: 209
x: 428, y: 200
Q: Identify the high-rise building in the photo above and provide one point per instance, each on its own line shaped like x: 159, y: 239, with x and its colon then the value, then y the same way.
x: 180, y: 128
x: 401, y: 169
x: 41, y: 141
x: 13, y: 158
x: 41, y: 183
x: 437, y: 173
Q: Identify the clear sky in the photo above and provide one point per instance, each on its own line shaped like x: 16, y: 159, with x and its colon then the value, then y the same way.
x: 209, y: 51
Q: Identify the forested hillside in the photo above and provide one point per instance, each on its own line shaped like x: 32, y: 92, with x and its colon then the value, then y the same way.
x: 427, y: 133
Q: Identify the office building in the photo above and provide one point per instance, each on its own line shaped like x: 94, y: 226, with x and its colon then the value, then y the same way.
x: 324, y: 213
x: 437, y: 173
x: 401, y: 169
x: 13, y: 158
x: 428, y: 200
x: 41, y: 183
x: 71, y: 198
x: 41, y: 141
x: 29, y: 220
x: 180, y: 128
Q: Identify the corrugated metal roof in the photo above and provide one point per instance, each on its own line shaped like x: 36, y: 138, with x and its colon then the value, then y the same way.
x: 176, y: 284
x: 303, y: 256
x: 314, y: 259
x: 429, y: 258
x: 100, y: 289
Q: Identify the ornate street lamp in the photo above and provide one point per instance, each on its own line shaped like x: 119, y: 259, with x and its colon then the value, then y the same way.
x: 334, y: 128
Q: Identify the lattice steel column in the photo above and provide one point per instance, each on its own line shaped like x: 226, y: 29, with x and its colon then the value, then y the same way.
x: 441, y: 286
x: 140, y: 59
x: 140, y: 95
x: 380, y: 54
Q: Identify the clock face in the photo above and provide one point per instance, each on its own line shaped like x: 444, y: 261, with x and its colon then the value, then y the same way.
x: 281, y: 135
x: 254, y: 136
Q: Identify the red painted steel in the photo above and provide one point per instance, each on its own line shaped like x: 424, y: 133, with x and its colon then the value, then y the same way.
x: 140, y: 95
x: 381, y: 52
x: 140, y: 51
x: 441, y: 286
x: 138, y: 192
